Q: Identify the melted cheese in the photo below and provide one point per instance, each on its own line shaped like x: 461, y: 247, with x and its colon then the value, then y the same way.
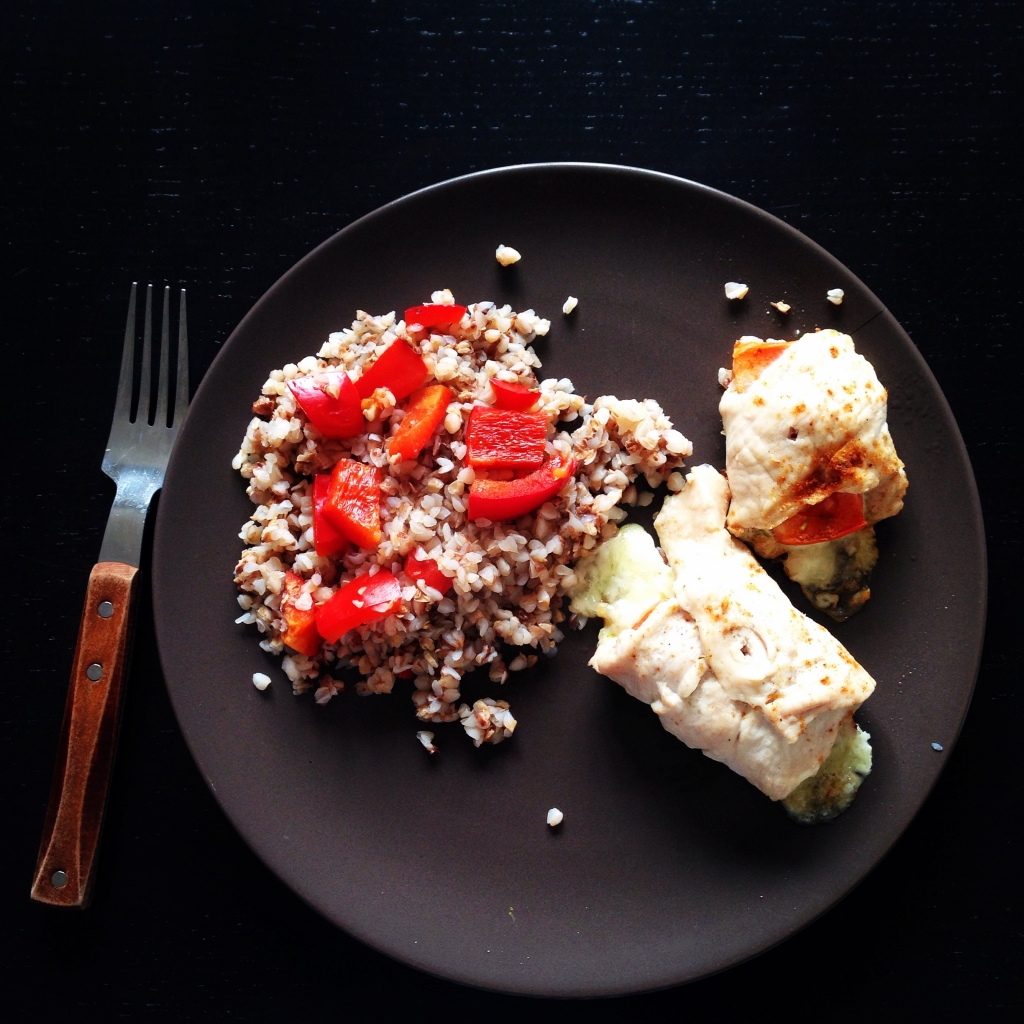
x: 622, y: 581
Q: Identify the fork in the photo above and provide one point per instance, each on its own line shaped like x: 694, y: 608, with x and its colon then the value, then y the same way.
x: 135, y: 459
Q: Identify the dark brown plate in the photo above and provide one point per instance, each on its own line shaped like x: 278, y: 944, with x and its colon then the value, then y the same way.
x: 668, y: 866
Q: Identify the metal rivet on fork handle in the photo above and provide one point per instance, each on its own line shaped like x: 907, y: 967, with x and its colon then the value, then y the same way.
x: 106, y: 609
x: 94, y: 671
x: 59, y: 879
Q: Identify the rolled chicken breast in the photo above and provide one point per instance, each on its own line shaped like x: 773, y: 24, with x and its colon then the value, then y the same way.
x: 717, y: 650
x: 810, y: 461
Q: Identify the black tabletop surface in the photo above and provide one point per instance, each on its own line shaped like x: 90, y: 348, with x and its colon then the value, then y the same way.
x: 211, y: 146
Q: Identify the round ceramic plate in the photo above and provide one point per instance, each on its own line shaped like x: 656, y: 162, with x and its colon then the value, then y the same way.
x: 668, y: 866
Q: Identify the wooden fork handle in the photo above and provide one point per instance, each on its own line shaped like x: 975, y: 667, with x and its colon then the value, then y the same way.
x: 66, y: 865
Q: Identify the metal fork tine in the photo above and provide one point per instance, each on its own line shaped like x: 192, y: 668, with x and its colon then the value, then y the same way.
x: 123, y: 404
x: 181, y: 388
x: 146, y: 380
x: 162, y: 397
x: 137, y: 451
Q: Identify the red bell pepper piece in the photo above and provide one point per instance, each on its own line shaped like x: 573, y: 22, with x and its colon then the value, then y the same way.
x: 749, y: 359
x: 508, y: 499
x: 434, y: 315
x: 838, y: 515
x: 510, y: 395
x: 334, y: 415
x: 398, y: 368
x: 328, y: 540
x: 429, y: 571
x: 505, y: 438
x: 300, y: 632
x: 425, y: 411
x: 366, y: 599
x: 353, y: 502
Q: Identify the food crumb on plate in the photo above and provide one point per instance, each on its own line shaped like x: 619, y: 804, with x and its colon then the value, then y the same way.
x: 427, y: 739
x: 260, y: 680
x: 327, y: 689
x: 506, y: 255
x: 937, y: 746
x: 555, y: 817
x: 782, y: 307
x: 570, y: 304
x: 735, y: 290
x: 487, y: 721
x: 835, y: 296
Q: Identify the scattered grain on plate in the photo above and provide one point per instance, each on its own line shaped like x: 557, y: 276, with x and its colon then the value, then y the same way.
x: 570, y: 304
x: 427, y: 739
x: 327, y: 689
x: 555, y: 817
x: 735, y: 290
x: 835, y: 296
x: 936, y: 746
x: 506, y: 255
x: 260, y: 680
x: 782, y: 307
x: 487, y: 721
x: 724, y: 376
x: 676, y: 482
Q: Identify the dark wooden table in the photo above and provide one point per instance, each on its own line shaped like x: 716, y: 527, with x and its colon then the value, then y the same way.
x: 213, y: 144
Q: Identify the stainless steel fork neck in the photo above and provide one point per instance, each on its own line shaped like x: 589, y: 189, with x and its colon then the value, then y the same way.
x: 122, y: 539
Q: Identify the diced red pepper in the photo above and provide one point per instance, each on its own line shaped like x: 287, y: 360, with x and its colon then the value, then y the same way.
x: 434, y: 315
x: 353, y: 502
x: 508, y: 499
x: 365, y: 599
x: 510, y: 395
x: 334, y: 415
x: 300, y: 632
x: 398, y: 368
x: 429, y: 571
x: 424, y: 412
x: 749, y: 359
x: 838, y: 515
x: 505, y: 438
x: 328, y: 540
